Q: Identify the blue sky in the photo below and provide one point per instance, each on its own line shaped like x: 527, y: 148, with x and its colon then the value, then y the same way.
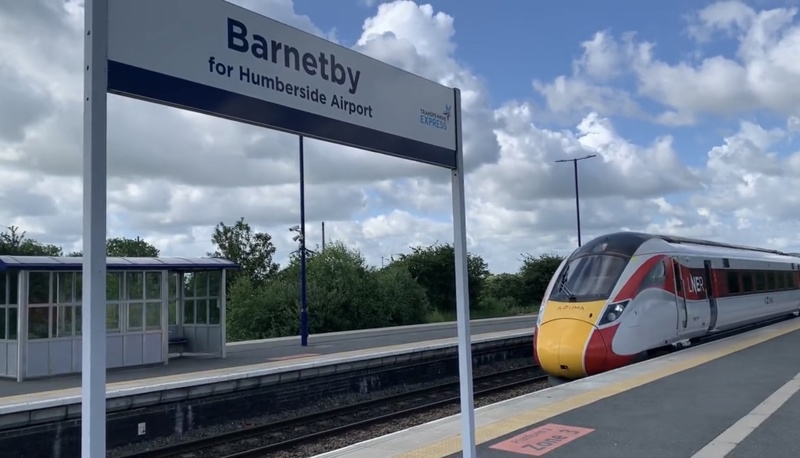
x: 513, y: 44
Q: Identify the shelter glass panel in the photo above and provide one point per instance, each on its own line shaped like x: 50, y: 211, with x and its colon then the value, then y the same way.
x: 201, y: 311
x: 201, y: 284
x: 13, y: 285
x: 135, y: 316
x: 134, y: 282
x: 214, y: 283
x: 213, y: 311
x: 114, y: 286
x: 12, y: 323
x: 188, y: 284
x: 78, y: 320
x: 153, y: 285
x: 38, y: 322
x: 173, y: 312
x: 152, y: 316
x: 172, y: 293
x: 112, y: 317
x: 63, y: 320
x: 3, y: 289
x: 65, y: 287
x: 3, y: 320
x: 188, y: 311
x: 39, y: 288
x: 78, y: 286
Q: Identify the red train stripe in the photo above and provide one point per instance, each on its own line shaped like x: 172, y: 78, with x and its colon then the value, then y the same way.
x: 632, y: 285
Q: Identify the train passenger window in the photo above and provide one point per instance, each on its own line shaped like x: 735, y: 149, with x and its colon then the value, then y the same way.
x: 771, y: 281
x: 747, y: 282
x: 790, y: 283
x: 780, y: 280
x: 733, y: 282
x: 761, y: 281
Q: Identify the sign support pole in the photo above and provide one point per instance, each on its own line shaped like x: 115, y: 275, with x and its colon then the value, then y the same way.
x: 95, y: 121
x: 462, y: 292
x: 303, y: 292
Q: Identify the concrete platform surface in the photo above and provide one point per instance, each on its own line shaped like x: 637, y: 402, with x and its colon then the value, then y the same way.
x: 735, y: 397
x: 280, y: 349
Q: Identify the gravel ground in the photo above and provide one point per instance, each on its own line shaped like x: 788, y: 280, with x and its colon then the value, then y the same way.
x: 331, y: 403
x: 390, y: 426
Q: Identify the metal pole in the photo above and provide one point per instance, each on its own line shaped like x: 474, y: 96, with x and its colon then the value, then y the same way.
x: 577, y: 197
x: 462, y: 293
x: 323, y: 236
x: 95, y: 123
x: 577, y: 202
x: 303, y: 301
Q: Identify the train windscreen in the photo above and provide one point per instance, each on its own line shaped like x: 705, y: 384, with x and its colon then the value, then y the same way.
x: 588, y: 278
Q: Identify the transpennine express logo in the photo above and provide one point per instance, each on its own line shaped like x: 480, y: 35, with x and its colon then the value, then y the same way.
x: 436, y: 120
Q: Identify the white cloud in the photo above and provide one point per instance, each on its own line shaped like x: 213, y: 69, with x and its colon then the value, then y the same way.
x: 174, y: 174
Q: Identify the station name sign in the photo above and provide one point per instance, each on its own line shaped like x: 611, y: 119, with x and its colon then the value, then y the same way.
x: 215, y: 57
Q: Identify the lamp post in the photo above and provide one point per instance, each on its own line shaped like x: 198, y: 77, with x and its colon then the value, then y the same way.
x: 577, y: 198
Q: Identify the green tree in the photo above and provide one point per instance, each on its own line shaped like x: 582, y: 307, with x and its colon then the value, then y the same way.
x: 262, y: 310
x: 536, y: 273
x: 14, y: 243
x: 433, y: 267
x: 502, y: 295
x: 124, y: 247
x: 253, y: 251
x: 344, y: 293
x: 403, y: 299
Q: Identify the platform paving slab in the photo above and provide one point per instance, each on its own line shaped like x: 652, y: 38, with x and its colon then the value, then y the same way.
x: 674, y: 416
x: 778, y: 436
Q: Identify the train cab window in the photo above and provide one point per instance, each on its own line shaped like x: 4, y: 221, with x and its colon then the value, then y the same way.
x: 747, y: 282
x: 771, y: 281
x: 589, y: 277
x: 780, y: 280
x: 761, y: 280
x: 733, y: 283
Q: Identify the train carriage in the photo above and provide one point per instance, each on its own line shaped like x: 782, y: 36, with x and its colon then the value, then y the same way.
x: 624, y: 296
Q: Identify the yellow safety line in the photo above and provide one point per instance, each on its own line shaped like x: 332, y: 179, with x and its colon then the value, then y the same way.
x: 500, y: 428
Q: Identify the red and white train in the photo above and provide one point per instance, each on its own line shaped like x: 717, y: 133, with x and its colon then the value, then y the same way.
x: 623, y: 296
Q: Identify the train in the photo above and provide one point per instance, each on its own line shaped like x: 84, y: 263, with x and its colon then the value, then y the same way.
x: 628, y: 296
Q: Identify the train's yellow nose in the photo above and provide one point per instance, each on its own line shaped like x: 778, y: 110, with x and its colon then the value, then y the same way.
x: 560, y: 346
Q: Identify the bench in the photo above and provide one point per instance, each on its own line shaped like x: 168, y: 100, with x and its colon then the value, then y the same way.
x: 178, y: 343
x: 175, y: 341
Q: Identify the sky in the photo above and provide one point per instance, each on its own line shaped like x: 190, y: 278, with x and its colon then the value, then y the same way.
x: 692, y: 109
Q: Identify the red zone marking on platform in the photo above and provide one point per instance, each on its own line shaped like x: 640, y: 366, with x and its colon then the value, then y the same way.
x: 541, y: 440
x: 301, y: 355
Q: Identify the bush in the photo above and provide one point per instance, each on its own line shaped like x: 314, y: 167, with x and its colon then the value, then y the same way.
x: 343, y: 294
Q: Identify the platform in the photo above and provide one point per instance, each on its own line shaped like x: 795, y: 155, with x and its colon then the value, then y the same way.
x: 251, y: 362
x: 735, y: 397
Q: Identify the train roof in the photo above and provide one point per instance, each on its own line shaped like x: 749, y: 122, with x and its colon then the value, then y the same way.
x: 626, y: 243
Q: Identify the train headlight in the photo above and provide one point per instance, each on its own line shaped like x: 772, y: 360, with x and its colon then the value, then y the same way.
x: 613, y: 312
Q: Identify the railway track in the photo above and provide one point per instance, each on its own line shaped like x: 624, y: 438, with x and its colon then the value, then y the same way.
x: 263, y: 440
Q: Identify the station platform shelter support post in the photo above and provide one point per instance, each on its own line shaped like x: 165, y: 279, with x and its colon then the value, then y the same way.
x: 152, y: 304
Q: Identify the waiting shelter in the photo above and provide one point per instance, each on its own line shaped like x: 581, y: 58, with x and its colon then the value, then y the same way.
x: 152, y: 305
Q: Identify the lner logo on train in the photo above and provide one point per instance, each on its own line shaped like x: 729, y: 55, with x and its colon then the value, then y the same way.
x: 627, y: 296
